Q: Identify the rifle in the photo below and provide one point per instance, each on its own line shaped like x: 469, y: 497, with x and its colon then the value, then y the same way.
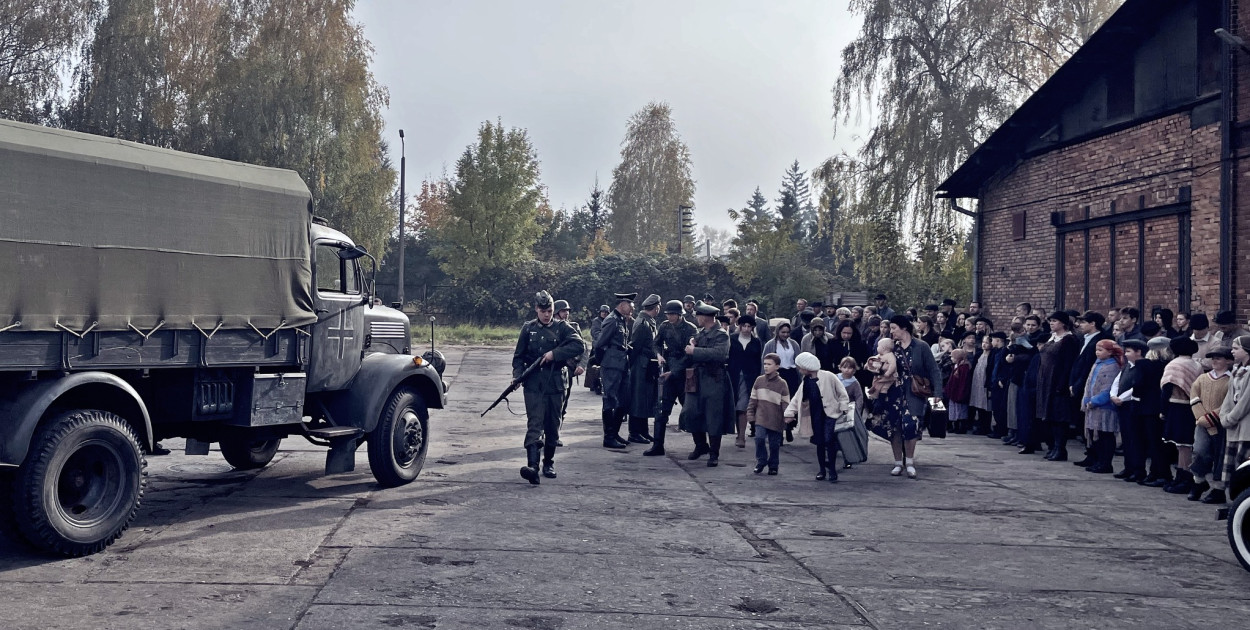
x: 516, y: 382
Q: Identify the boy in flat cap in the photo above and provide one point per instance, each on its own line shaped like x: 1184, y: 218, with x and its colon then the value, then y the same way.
x: 611, y: 353
x: 644, y: 371
x: 553, y: 342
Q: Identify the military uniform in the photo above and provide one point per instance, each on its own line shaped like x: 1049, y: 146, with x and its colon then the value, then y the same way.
x: 570, y: 367
x: 611, y: 350
x: 688, y: 313
x: 644, y: 373
x: 670, y: 342
x: 709, y: 413
x: 544, y: 388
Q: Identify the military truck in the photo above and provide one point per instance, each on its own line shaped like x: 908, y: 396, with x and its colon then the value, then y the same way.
x: 148, y: 294
x: 1237, y: 513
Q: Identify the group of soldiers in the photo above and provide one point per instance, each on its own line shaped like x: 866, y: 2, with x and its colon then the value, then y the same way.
x: 646, y: 366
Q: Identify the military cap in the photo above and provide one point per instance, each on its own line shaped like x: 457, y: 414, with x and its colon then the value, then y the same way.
x: 689, y: 299
x: 704, y: 308
x: 604, y: 308
x: 673, y: 307
x: 1220, y: 353
x: 1136, y: 344
x: 747, y: 320
x: 707, y: 297
x: 652, y: 300
x: 542, y: 299
x: 625, y: 297
x: 1225, y: 318
x: 1199, y: 321
x: 562, y: 305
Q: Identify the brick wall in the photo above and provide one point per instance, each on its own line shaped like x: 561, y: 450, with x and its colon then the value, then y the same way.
x: 1142, y: 167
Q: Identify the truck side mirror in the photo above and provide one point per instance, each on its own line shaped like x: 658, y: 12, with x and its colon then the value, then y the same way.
x: 353, y: 252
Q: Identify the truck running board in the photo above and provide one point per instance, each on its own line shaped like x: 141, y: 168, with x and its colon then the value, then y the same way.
x: 343, y: 442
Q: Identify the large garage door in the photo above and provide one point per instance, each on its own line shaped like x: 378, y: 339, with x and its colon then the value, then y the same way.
x: 1138, y: 258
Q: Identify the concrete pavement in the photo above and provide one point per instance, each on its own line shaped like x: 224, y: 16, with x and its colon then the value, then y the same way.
x: 985, y: 539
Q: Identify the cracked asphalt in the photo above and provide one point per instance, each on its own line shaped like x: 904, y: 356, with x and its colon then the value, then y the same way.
x: 984, y: 539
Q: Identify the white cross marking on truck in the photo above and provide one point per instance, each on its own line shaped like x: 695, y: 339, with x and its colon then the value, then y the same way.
x: 344, y: 329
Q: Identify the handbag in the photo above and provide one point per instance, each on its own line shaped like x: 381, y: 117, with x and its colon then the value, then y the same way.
x: 921, y: 386
x: 592, y: 377
x: 692, y: 381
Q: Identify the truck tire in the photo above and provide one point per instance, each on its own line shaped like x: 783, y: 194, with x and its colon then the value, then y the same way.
x: 1239, y: 528
x: 248, y: 453
x: 81, y: 484
x: 397, y: 445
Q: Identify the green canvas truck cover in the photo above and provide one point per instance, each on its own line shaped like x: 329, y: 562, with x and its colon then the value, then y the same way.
x: 122, y: 235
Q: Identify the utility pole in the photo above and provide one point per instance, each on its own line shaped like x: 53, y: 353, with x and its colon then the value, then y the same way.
x: 403, y: 206
x: 682, y: 225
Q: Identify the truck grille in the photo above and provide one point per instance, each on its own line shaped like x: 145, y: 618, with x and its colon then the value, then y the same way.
x: 388, y: 330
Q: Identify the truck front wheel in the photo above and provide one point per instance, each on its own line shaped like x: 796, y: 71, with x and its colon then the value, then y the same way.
x: 1239, y: 528
x: 81, y: 484
x: 397, y: 445
x: 246, y: 453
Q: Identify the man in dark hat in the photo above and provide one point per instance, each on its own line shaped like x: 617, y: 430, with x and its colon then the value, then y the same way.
x: 671, y: 339
x: 575, y: 367
x: 1137, y: 397
x: 948, y: 308
x: 883, y: 307
x: 688, y: 309
x: 644, y: 371
x: 611, y: 353
x: 1200, y: 332
x: 1090, y: 331
x: 710, y: 412
x: 1226, y: 330
x: 553, y: 342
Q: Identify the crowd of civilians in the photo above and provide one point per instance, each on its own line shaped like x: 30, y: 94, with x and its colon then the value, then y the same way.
x: 1168, y: 392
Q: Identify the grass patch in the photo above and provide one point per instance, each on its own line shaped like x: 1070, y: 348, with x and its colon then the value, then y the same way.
x: 466, y: 335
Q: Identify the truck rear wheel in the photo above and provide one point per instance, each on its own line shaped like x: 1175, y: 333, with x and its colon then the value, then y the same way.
x: 397, y: 445
x: 81, y: 484
x: 1239, y: 528
x: 246, y: 453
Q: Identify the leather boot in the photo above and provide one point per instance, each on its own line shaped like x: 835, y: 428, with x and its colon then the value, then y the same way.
x: 700, y: 447
x: 713, y: 459
x: 657, y: 441
x: 610, y: 438
x: 549, y: 467
x: 1198, y: 490
x: 741, y: 440
x: 1183, y: 484
x: 1215, y: 497
x: 530, y: 471
x: 637, y: 430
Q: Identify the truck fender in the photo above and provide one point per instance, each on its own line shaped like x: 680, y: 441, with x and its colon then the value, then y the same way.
x: 21, y: 412
x: 380, y: 374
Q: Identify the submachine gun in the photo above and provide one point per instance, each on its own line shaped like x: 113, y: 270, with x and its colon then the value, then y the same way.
x: 516, y: 382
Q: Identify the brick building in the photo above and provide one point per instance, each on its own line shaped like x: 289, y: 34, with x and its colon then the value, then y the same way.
x: 1109, y: 187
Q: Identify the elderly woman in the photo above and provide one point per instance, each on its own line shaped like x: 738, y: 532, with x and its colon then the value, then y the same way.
x: 1102, y: 421
x: 817, y: 405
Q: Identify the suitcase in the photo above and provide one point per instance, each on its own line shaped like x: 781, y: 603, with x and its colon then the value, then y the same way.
x: 592, y: 378
x: 854, y: 442
x: 936, y: 419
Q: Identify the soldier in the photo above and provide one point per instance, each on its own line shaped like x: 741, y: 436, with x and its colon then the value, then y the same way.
x: 687, y: 309
x: 553, y: 342
x: 710, y: 413
x: 611, y: 349
x: 574, y: 367
x: 644, y: 371
x: 671, y: 340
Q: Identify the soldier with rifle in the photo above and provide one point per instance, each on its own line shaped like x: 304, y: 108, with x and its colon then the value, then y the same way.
x: 573, y: 367
x: 610, y: 353
x: 644, y: 371
x: 671, y: 340
x: 542, y: 352
x: 709, y: 413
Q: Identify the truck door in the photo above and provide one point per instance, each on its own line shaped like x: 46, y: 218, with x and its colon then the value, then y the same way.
x: 338, y: 335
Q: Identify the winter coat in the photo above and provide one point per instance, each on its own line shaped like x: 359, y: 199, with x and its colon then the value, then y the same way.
x: 832, y: 394
x: 1100, y: 413
x: 1235, y: 412
x: 1054, y: 369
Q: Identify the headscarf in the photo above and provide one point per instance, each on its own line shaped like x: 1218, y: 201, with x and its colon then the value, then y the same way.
x: 1114, y: 348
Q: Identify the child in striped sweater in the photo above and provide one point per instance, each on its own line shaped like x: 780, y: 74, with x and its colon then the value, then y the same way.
x: 766, y: 410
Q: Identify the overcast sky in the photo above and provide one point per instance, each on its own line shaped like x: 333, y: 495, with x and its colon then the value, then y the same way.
x: 749, y: 82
